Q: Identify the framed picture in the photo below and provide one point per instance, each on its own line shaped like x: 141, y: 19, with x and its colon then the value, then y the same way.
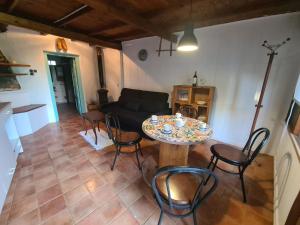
x: 59, y: 73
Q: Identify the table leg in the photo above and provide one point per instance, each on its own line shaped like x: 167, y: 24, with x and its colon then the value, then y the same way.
x: 173, y: 155
x: 94, y: 129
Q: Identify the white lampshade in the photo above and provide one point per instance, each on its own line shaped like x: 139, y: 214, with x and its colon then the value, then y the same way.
x: 188, y: 41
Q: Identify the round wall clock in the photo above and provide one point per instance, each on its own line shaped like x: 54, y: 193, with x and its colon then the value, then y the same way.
x: 143, y: 54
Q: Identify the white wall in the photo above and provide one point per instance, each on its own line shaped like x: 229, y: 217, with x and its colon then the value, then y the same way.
x: 25, y: 46
x: 231, y: 58
x: 113, y: 72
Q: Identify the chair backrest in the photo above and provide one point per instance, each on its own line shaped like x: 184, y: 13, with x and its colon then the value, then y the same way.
x: 201, y: 191
x: 256, y: 141
x: 188, y: 111
x: 112, y: 121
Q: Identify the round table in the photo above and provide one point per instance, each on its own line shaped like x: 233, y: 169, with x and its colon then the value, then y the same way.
x: 174, y: 147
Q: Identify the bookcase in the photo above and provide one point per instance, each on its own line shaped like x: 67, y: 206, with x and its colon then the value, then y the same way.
x: 199, y: 97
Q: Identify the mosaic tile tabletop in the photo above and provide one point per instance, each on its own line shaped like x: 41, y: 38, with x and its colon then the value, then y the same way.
x: 190, y: 133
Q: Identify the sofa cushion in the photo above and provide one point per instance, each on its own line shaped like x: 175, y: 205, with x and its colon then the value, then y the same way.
x: 153, y: 106
x: 133, y: 105
x: 129, y: 95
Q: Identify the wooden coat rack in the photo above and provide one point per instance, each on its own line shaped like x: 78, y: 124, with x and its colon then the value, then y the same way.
x: 273, y: 51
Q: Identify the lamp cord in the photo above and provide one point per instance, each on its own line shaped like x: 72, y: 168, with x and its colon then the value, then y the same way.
x: 191, y: 8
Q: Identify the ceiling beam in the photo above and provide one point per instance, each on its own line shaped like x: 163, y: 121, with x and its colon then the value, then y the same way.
x: 11, y: 5
x: 72, y: 15
x: 130, y: 17
x: 266, y: 9
x: 49, y: 29
x: 107, y: 28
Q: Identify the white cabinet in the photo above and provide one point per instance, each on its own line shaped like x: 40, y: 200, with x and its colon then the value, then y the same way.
x: 9, y: 142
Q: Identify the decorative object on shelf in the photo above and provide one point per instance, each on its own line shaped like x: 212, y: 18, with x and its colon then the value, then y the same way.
x: 200, y: 98
x: 273, y: 51
x: 188, y: 41
x: 195, y: 79
x: 61, y: 44
x: 165, y: 50
x: 8, y: 80
x: 143, y: 54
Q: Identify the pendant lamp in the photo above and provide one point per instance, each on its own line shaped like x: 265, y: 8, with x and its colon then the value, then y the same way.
x: 188, y: 42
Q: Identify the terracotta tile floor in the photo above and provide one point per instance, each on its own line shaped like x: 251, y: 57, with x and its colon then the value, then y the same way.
x: 61, y: 180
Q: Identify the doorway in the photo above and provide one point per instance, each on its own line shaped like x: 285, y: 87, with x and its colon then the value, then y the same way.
x: 65, y: 85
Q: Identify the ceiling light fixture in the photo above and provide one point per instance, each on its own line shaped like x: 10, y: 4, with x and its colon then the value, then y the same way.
x: 188, y: 41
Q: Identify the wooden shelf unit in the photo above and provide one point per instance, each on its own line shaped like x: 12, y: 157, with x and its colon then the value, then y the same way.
x: 189, y: 95
x: 12, y: 74
x: 7, y: 73
x: 2, y: 64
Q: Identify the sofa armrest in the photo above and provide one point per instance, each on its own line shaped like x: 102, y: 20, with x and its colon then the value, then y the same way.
x: 108, y: 105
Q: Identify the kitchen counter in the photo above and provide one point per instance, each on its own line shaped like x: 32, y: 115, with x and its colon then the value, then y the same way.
x: 3, y: 105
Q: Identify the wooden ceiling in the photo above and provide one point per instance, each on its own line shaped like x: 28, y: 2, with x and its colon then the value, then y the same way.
x: 109, y: 22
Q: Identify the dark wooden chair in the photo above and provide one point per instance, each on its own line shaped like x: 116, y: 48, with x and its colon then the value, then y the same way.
x: 122, y: 138
x: 179, y: 191
x: 241, y: 158
x: 188, y: 111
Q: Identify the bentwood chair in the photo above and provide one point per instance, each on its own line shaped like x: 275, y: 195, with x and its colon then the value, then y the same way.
x: 179, y: 191
x: 241, y: 158
x: 122, y: 138
x: 188, y: 111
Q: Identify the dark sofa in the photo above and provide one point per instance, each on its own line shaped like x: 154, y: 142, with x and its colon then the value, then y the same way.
x: 134, y: 106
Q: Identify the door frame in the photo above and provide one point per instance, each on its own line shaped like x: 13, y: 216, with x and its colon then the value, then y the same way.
x: 81, y: 94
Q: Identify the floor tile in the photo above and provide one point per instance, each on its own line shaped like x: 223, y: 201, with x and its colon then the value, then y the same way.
x: 111, y: 210
x: 104, y: 194
x: 82, y: 208
x: 70, y: 183
x: 93, y: 218
x: 48, y: 194
x: 51, y: 208
x: 130, y: 194
x: 24, y: 206
x: 125, y: 218
x: 61, y: 218
x: 142, y: 209
x: 94, y: 182
x: 76, y: 194
x: 30, y: 218
x: 44, y: 181
x: 154, y: 218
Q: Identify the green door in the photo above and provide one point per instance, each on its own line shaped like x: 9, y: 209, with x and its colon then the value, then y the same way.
x: 79, y: 98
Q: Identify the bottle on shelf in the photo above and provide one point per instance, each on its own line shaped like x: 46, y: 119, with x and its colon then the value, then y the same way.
x: 195, y: 79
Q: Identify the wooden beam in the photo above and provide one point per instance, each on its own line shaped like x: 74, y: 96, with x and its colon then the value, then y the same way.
x: 49, y: 29
x: 12, y: 5
x: 129, y: 17
x: 266, y: 9
x: 107, y: 28
x: 72, y: 15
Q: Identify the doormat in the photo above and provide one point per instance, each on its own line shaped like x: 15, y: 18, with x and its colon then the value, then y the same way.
x: 103, y: 140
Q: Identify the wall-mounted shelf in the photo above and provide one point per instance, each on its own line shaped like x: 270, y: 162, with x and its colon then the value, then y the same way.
x: 12, y: 74
x: 13, y: 65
